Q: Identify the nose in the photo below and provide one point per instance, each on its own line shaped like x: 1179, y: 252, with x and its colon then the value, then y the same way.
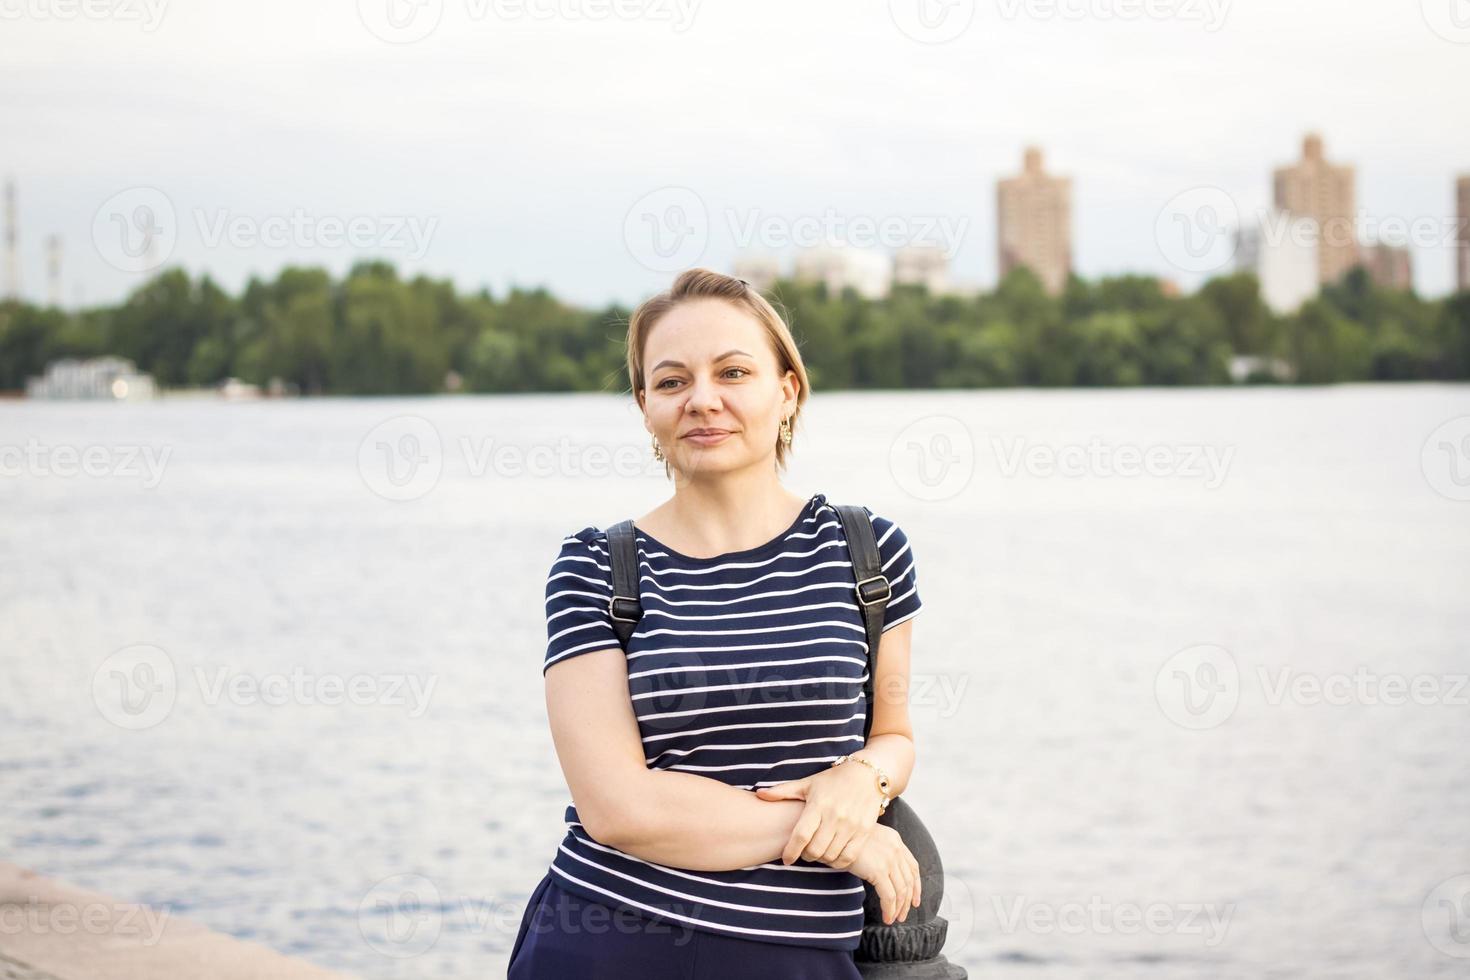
x: 704, y: 395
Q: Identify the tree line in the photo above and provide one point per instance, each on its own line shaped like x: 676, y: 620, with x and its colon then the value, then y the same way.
x: 372, y: 332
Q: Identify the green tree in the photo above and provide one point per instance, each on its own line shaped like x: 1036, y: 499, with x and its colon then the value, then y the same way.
x: 1249, y: 325
x: 1326, y: 346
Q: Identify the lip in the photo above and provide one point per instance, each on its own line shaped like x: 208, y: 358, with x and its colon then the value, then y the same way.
x: 708, y: 437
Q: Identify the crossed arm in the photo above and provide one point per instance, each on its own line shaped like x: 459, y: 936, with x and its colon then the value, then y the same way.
x: 682, y: 819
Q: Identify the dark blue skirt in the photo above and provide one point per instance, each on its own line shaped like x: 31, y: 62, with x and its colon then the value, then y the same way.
x: 566, y: 937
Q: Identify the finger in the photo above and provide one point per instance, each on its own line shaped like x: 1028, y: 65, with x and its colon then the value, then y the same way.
x: 849, y: 853
x: 906, y: 894
x: 801, y: 835
x: 835, y: 849
x: 884, y: 889
x: 892, y: 897
x: 820, y: 842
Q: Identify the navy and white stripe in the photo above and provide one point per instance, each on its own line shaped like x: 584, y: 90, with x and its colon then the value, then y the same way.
x: 748, y: 668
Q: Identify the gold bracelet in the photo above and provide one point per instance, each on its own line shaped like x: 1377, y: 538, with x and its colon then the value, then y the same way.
x: 882, y: 779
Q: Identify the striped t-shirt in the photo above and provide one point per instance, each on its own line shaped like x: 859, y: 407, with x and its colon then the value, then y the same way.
x: 747, y: 668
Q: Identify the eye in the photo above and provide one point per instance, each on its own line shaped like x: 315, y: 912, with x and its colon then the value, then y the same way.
x: 666, y: 381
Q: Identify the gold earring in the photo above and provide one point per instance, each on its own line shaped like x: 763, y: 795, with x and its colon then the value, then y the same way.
x: 658, y: 451
x: 786, y: 431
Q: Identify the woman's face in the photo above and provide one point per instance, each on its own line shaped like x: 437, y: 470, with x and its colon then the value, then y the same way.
x: 695, y: 382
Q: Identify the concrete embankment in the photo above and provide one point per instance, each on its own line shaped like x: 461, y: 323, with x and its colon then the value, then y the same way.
x: 50, y: 930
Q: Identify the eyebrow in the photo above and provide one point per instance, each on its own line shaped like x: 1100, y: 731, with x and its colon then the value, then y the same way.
x: 679, y: 364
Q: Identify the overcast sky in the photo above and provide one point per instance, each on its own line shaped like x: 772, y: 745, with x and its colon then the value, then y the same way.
x: 532, y: 142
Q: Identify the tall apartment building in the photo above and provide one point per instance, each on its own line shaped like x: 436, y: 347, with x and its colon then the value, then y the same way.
x: 1325, y: 192
x: 1034, y: 223
x: 1462, y: 233
x: 1389, y: 266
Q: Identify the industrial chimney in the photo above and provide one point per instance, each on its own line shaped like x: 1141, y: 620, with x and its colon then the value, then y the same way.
x: 53, y: 270
x: 12, y: 256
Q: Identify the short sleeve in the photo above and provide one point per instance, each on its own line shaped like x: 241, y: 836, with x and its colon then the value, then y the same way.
x: 578, y: 589
x: 896, y: 558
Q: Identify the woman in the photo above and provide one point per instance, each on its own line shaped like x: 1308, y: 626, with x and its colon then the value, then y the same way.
x: 726, y: 805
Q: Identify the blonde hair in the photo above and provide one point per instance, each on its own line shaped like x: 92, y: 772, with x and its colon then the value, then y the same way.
x: 694, y: 284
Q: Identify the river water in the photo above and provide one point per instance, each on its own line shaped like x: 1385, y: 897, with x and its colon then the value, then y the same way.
x: 1189, y: 683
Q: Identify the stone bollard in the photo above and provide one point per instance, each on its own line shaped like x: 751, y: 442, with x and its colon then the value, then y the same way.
x: 908, y: 950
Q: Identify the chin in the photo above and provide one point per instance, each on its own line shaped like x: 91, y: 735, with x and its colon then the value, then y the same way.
x: 723, y: 458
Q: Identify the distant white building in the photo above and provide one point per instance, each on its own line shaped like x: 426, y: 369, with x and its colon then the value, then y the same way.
x: 100, y: 378
x: 235, y: 390
x: 870, y: 273
x: 1246, y: 366
x: 1281, y: 249
x: 761, y: 271
x: 922, y: 265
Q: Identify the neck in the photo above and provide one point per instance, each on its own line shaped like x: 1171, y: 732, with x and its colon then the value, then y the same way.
x: 733, y: 512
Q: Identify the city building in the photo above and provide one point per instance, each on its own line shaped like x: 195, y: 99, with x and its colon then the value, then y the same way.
x: 841, y: 267
x: 104, y: 378
x: 922, y: 265
x: 1034, y: 223
x: 1389, y: 266
x: 761, y: 271
x: 1281, y: 249
x: 1462, y: 232
x: 1253, y: 367
x: 1325, y: 192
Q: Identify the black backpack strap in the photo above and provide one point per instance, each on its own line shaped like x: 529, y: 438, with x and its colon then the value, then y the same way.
x: 624, y: 606
x: 873, y: 590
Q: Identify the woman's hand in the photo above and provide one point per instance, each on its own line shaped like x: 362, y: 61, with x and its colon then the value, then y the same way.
x: 887, y: 864
x: 841, y: 807
x: 839, y: 827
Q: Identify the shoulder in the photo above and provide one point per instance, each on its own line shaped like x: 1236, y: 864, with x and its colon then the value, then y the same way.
x: 892, y: 541
x: 880, y: 523
x: 887, y: 529
x: 896, y: 558
x: 582, y: 552
x: 589, y: 537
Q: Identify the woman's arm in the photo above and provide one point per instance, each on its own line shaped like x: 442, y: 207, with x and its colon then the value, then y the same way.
x: 890, y: 744
x: 701, y: 824
x: 686, y: 820
x: 680, y: 819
